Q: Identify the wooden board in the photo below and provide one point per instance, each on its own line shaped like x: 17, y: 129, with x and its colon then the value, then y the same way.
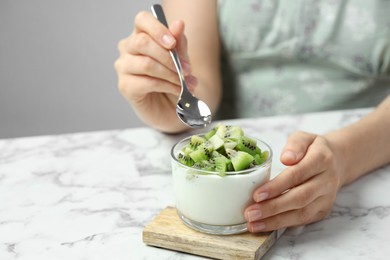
x: 168, y: 231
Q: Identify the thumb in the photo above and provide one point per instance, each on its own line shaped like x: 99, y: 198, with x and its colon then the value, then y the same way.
x: 296, y: 147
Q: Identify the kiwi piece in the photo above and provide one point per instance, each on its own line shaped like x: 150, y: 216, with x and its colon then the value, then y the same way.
x: 187, y: 150
x: 231, y: 132
x: 220, y: 162
x: 221, y: 130
x: 229, y: 166
x: 202, y: 152
x: 185, y: 159
x: 265, y: 155
x: 258, y: 159
x: 196, y: 140
x: 234, y: 132
x: 210, y: 133
x: 208, y: 148
x: 248, y: 145
x: 216, y: 141
x: 240, y: 160
x: 204, y: 165
x: 229, y: 144
x: 261, y: 157
x: 199, y: 155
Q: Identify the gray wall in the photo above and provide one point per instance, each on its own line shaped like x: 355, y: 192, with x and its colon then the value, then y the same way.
x: 56, y: 65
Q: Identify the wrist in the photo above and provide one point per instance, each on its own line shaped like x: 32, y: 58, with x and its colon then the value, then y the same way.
x: 340, y: 147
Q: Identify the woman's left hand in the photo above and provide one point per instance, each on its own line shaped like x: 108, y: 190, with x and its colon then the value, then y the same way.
x: 304, y: 192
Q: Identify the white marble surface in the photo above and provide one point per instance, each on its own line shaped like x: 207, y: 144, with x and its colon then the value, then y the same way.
x: 88, y: 196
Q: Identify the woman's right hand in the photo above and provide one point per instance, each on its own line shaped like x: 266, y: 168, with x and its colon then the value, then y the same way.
x: 147, y: 77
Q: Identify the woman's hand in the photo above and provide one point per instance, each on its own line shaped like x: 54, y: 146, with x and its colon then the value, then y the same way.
x: 147, y: 77
x: 317, y: 167
x: 304, y: 192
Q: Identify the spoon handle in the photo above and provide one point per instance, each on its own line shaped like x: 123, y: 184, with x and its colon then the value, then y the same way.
x: 159, y: 14
x: 190, y: 110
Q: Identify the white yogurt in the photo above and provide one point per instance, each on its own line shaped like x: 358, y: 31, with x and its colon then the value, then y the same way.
x: 215, y: 200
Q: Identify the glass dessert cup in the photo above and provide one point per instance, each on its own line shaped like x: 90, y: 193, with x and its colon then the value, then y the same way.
x: 215, y: 204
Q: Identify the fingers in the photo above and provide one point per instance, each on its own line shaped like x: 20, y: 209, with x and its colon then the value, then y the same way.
x: 296, y: 147
x: 296, y: 198
x: 315, y: 162
x: 315, y: 211
x: 142, y: 44
x: 143, y: 53
x: 302, y: 193
x: 147, y: 66
x: 143, y: 85
x: 147, y: 25
x: 146, y: 22
x: 288, y: 179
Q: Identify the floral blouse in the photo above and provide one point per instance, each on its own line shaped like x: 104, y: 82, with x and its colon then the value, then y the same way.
x: 295, y: 56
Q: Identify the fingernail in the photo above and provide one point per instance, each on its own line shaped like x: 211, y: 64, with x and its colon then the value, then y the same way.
x: 261, y: 196
x: 168, y: 40
x: 254, y: 215
x: 257, y: 227
x: 290, y: 155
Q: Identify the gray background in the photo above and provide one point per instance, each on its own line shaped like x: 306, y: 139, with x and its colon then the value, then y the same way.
x: 56, y: 65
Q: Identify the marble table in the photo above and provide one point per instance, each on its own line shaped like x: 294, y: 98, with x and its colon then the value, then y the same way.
x: 89, y: 195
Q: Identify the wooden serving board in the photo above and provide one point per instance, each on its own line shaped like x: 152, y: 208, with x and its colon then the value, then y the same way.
x: 168, y: 231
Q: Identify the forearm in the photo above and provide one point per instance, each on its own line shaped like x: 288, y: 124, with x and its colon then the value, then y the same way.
x: 364, y: 145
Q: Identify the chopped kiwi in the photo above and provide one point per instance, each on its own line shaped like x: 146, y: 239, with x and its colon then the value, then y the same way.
x: 185, y: 159
x: 210, y: 133
x: 240, y: 160
x: 203, y: 152
x: 199, y: 155
x: 222, y: 149
x: 204, y: 165
x: 265, y: 155
x: 261, y: 157
x: 231, y: 132
x: 216, y: 141
x: 229, y: 144
x: 197, y: 140
x: 221, y: 163
x: 247, y: 144
x: 258, y: 159
x: 187, y: 150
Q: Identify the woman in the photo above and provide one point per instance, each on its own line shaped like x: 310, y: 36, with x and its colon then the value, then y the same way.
x: 277, y: 57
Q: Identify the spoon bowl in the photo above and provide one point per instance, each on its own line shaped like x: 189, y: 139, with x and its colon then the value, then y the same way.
x: 191, y: 111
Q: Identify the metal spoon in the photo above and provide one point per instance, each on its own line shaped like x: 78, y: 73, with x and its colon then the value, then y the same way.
x: 190, y: 110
